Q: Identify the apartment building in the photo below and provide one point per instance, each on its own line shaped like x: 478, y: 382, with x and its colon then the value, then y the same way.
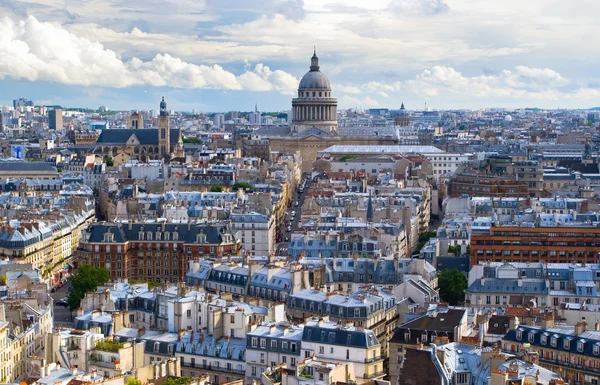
x: 572, y: 352
x: 256, y: 231
x: 329, y: 340
x: 154, y: 251
x: 270, y: 344
x: 557, y: 242
x: 439, y: 325
x: 368, y: 307
x: 44, y: 243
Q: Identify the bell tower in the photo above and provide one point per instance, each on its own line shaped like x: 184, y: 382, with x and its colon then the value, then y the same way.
x: 164, y: 141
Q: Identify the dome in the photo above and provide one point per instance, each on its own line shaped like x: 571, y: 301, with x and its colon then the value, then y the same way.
x: 508, y: 118
x: 314, y: 79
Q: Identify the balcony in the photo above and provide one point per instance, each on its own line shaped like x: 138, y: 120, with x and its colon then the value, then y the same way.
x: 213, y: 368
x: 374, y: 359
x: 368, y: 376
x: 569, y: 365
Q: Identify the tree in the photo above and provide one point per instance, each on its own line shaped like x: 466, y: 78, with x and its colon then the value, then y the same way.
x: 216, y: 189
x: 424, y: 238
x: 133, y: 381
x: 86, y: 278
x: 108, y: 160
x: 241, y: 185
x: 454, y: 250
x: 452, y: 284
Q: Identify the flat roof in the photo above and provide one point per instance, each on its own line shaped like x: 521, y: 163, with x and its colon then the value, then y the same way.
x: 375, y: 149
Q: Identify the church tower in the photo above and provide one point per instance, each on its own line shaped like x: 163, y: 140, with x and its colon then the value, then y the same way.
x: 164, y: 140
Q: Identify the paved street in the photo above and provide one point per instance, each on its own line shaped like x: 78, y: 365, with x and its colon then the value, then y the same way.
x: 62, y: 316
x: 282, y: 247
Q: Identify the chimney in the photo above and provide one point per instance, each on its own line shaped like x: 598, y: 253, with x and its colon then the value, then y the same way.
x: 580, y: 328
x: 93, y: 376
x: 74, y: 370
x: 514, y: 323
x: 548, y: 320
x: 272, y: 329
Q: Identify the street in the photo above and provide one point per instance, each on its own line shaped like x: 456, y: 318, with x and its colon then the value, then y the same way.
x: 282, y: 247
x: 62, y: 316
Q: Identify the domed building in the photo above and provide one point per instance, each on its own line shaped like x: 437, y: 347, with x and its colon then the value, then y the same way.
x: 314, y: 106
x: 314, y: 125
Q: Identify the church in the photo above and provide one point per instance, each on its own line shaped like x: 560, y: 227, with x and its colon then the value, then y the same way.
x: 143, y: 144
x: 314, y: 124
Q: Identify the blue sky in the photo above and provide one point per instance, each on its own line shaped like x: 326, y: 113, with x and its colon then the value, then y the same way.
x: 220, y: 55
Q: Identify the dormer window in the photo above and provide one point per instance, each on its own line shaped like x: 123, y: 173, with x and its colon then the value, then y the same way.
x: 531, y: 335
x: 424, y: 337
x: 175, y: 236
x: 149, y: 236
x: 553, y: 341
x: 544, y: 340
x: 519, y: 335
x: 158, y: 235
x: 596, y: 349
x: 156, y: 346
x: 580, y: 346
x: 567, y: 344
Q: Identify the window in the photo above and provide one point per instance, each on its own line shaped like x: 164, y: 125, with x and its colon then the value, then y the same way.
x: 519, y: 335
x: 321, y: 350
x: 356, y: 312
x: 273, y: 344
x: 567, y: 344
x: 293, y: 361
x: 580, y: 346
x: 253, y: 342
x: 424, y: 337
x: 263, y: 343
x: 232, y: 319
x: 189, y: 313
x: 544, y: 340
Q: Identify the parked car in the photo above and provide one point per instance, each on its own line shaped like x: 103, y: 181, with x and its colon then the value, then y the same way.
x: 62, y: 302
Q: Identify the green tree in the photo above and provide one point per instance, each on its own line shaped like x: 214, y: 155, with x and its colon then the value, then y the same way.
x: 192, y: 140
x: 454, y: 250
x: 241, y: 185
x: 452, y: 284
x: 108, y: 160
x: 86, y: 278
x: 178, y: 381
x: 133, y: 381
x: 216, y: 189
x: 424, y: 238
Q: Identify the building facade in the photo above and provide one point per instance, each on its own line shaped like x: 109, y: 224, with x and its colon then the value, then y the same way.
x: 153, y: 251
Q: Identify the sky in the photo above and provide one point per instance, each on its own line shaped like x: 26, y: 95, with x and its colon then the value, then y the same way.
x: 222, y: 55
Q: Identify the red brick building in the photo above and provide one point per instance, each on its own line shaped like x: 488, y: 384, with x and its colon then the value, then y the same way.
x: 157, y: 252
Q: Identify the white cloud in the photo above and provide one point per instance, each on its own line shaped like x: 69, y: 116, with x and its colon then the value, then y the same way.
x: 419, y: 6
x: 34, y: 50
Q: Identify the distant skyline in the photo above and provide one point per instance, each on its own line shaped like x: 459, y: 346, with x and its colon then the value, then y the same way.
x: 221, y: 55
